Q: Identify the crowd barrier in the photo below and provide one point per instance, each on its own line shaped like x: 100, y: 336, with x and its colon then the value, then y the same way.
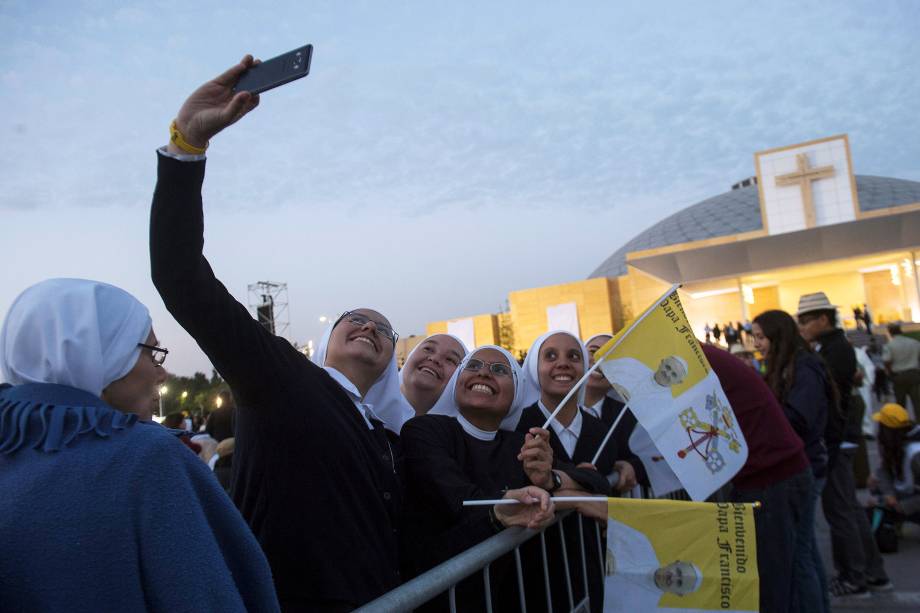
x: 446, y: 576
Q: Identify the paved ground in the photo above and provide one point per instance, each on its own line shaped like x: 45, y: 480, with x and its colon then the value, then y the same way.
x: 903, y: 567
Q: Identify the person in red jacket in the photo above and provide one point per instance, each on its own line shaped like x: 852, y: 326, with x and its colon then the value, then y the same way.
x: 777, y: 474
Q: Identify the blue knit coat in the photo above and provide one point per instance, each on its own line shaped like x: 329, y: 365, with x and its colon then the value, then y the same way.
x: 102, y: 512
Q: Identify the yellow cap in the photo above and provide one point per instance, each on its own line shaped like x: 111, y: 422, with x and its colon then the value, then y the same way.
x: 893, y: 415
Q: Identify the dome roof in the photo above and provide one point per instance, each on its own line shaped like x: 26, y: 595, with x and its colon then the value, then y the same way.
x: 738, y: 211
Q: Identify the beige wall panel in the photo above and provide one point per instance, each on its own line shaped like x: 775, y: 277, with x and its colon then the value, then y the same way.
x: 646, y: 289
x: 436, y: 327
x: 765, y: 299
x: 885, y: 299
x: 720, y: 309
x: 592, y: 297
x: 485, y: 327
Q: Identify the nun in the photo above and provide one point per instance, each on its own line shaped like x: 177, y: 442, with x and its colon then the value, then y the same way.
x: 555, y: 363
x: 428, y: 368
x: 314, y: 471
x: 87, y: 477
x: 466, y: 448
x: 603, y: 402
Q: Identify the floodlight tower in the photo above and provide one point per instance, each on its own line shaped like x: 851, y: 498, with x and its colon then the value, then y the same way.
x: 269, y: 303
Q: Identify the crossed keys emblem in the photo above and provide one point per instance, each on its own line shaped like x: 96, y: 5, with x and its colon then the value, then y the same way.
x: 704, y: 436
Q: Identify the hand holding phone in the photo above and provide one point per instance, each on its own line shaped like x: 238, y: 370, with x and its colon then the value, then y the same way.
x: 277, y: 71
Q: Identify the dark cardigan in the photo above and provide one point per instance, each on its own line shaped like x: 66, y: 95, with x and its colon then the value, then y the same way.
x: 317, y: 487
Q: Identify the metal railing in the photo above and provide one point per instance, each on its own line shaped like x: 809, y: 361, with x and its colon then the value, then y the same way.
x: 446, y: 576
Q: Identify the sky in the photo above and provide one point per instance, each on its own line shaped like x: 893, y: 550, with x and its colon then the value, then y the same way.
x: 439, y: 155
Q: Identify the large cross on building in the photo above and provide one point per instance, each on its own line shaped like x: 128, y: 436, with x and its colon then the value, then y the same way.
x: 803, y: 176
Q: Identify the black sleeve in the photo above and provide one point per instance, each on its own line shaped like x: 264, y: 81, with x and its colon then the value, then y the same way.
x: 806, y: 405
x: 434, y: 474
x: 592, y: 481
x: 249, y: 357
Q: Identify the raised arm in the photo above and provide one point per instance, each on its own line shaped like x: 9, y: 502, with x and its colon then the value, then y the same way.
x: 243, y: 351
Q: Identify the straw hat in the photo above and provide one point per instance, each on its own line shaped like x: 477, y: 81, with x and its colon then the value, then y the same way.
x: 815, y: 302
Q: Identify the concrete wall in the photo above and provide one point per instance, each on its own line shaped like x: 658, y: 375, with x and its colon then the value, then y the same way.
x: 485, y: 328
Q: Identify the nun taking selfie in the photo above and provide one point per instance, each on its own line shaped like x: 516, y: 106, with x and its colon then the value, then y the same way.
x: 87, y: 479
x: 314, y: 470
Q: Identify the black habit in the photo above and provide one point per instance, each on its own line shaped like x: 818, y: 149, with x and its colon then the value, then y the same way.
x: 317, y: 486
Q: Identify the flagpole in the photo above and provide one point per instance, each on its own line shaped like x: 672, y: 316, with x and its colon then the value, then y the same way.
x: 555, y: 499
x: 597, y: 361
x: 610, y: 432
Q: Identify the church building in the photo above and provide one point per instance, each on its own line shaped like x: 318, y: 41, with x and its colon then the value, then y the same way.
x: 804, y: 223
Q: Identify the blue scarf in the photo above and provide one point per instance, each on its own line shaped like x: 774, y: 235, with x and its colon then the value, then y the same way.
x: 50, y: 417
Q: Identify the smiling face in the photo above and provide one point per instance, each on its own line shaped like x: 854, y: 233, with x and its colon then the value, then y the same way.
x: 671, y: 371
x: 597, y: 381
x: 431, y: 365
x: 560, y: 366
x: 362, y: 346
x: 483, y: 396
x: 677, y: 577
x: 138, y: 391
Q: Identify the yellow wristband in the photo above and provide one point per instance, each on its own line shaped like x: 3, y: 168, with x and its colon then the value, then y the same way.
x: 176, y: 138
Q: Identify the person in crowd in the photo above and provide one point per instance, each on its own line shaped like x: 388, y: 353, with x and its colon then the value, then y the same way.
x: 295, y: 416
x: 221, y: 426
x: 739, y: 327
x: 738, y: 350
x: 466, y: 448
x: 858, y: 317
x: 554, y: 364
x: 428, y: 368
x: 881, y: 386
x: 177, y: 421
x: 708, y: 331
x: 717, y: 333
x: 857, y: 560
x: 80, y: 454
x: 902, y: 361
x: 867, y: 318
x: 896, y: 483
x: 603, y: 402
x: 801, y: 383
x: 731, y: 335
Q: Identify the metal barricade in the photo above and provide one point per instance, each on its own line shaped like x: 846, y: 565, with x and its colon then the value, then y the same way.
x: 446, y: 576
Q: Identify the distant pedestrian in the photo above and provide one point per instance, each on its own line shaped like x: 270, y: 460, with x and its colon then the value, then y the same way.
x: 902, y: 360
x: 717, y: 333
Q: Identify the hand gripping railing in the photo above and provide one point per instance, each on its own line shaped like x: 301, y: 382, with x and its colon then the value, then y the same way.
x: 447, y: 575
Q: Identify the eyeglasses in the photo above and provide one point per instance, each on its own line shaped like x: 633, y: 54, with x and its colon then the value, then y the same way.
x: 157, y: 354
x: 359, y: 320
x: 497, y: 368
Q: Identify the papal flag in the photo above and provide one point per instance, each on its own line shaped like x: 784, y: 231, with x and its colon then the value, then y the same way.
x: 663, y: 555
x: 687, y: 434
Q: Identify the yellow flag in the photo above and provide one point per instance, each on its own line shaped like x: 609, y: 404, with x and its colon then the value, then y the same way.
x: 688, y: 556
x: 687, y: 434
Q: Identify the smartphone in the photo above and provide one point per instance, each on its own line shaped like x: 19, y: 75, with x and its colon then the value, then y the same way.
x: 277, y: 71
